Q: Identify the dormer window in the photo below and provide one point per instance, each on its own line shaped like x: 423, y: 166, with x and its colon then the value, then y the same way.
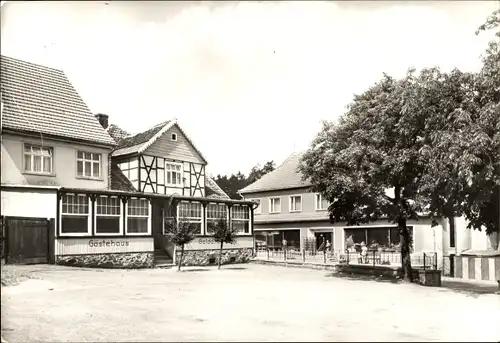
x: 174, y: 137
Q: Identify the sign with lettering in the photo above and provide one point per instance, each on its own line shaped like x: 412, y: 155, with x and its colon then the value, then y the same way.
x: 208, y: 243
x: 95, y: 245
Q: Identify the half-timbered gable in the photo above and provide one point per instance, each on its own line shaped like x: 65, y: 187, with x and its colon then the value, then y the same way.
x: 162, y: 160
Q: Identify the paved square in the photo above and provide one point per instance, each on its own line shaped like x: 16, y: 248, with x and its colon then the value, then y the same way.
x: 238, y: 303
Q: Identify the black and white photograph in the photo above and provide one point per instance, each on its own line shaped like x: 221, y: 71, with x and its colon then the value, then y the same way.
x: 250, y: 171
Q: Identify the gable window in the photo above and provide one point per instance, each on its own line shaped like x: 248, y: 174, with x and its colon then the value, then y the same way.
x: 174, y: 136
x: 173, y: 174
x: 258, y: 209
x: 295, y: 203
x: 138, y: 221
x: 274, y: 205
x: 191, y: 212
x: 75, y: 215
x: 240, y: 218
x: 321, y: 204
x: 108, y: 219
x: 88, y: 164
x: 214, y: 213
x: 38, y: 159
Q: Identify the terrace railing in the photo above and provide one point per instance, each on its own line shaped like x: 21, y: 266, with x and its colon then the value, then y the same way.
x: 423, y: 260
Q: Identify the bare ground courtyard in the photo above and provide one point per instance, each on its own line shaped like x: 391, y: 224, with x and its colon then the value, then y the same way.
x: 239, y: 303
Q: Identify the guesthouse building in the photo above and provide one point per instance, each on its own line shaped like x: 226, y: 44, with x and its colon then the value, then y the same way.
x: 76, y: 191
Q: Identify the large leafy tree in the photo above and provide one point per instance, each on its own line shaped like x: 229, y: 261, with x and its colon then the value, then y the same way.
x: 462, y: 140
x: 374, y: 148
x: 484, y: 209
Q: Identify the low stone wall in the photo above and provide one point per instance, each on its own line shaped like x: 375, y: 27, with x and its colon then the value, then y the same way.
x: 208, y: 257
x: 119, y: 260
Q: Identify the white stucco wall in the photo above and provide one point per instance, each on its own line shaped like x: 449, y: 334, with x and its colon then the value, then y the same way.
x: 40, y: 203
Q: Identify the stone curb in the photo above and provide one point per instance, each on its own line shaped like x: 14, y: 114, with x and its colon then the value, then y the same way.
x: 297, y: 264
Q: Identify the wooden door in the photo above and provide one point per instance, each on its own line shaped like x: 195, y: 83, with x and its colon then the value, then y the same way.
x: 27, y: 240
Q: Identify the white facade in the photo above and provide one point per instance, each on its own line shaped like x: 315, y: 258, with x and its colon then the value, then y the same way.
x: 33, y: 202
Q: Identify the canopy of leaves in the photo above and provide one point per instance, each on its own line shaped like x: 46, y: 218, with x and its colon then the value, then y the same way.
x: 222, y: 231
x: 181, y: 232
x: 374, y: 147
x: 433, y: 138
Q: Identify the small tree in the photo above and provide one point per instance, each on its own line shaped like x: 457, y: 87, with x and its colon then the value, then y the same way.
x: 182, y: 232
x: 223, y: 232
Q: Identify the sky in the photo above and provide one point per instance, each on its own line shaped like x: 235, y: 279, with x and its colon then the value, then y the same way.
x: 248, y: 81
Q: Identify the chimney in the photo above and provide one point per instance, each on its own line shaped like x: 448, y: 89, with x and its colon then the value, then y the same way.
x: 103, y: 119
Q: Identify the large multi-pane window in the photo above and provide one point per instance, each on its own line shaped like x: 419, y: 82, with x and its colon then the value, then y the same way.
x: 191, y: 212
x: 138, y: 211
x: 214, y: 213
x: 38, y: 159
x: 108, y: 215
x: 386, y: 238
x: 173, y: 174
x: 240, y: 217
x: 88, y: 164
x: 75, y: 214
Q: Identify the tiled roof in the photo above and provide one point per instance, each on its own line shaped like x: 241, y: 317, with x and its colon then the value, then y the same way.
x: 117, y: 133
x: 134, y: 143
x: 212, y: 189
x: 42, y: 100
x: 284, y: 177
x: 143, y: 137
x: 119, y: 182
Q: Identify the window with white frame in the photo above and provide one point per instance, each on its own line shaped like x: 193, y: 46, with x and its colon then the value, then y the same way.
x: 258, y: 209
x: 295, y: 203
x: 138, y: 221
x: 191, y: 212
x: 214, y: 213
x: 108, y: 219
x: 240, y: 217
x: 173, y: 174
x: 75, y: 215
x: 88, y: 164
x: 38, y: 159
x: 274, y: 205
x: 321, y: 204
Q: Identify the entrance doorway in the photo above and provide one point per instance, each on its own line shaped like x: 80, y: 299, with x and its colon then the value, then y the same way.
x: 322, y: 238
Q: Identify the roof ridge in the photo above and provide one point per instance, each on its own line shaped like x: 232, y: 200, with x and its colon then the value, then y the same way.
x: 149, y: 128
x: 272, y: 175
x: 36, y: 64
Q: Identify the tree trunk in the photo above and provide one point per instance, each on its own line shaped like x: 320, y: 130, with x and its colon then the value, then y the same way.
x: 180, y: 259
x: 404, y: 237
x: 220, y: 254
